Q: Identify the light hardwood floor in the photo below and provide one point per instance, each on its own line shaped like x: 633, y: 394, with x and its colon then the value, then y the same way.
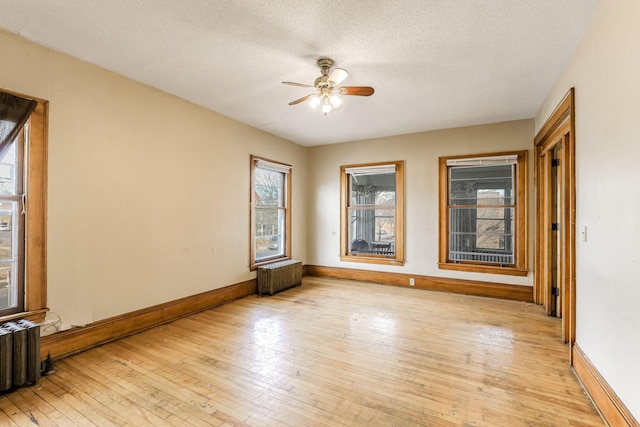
x: 328, y: 353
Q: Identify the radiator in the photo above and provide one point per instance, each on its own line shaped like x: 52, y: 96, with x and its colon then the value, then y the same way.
x: 279, y: 276
x: 19, y: 354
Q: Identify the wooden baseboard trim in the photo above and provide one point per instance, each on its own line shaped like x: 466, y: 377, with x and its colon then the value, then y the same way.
x: 608, y: 403
x: 74, y: 340
x: 442, y: 284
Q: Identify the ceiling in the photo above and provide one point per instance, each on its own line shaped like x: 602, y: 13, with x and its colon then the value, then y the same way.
x: 434, y: 64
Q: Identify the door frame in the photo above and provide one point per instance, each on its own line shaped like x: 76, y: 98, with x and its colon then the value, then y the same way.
x: 559, y: 128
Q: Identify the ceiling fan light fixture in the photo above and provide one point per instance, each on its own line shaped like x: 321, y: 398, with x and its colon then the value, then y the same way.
x: 326, y: 105
x: 315, y: 102
x: 327, y: 98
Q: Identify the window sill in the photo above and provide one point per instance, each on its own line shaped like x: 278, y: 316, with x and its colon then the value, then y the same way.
x: 489, y: 269
x: 372, y: 260
x: 36, y: 316
x: 255, y: 266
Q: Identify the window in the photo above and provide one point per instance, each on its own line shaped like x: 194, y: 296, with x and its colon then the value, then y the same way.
x: 270, y: 212
x: 12, y: 225
x: 372, y: 213
x: 483, y: 213
x: 22, y: 208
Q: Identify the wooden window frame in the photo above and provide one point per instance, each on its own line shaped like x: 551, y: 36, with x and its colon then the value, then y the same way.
x: 253, y: 263
x: 35, y: 248
x: 345, y: 253
x: 519, y: 268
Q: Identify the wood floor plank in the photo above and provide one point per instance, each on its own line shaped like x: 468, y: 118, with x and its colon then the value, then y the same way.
x: 112, y: 406
x: 173, y: 389
x: 15, y: 416
x: 122, y: 391
x: 56, y: 397
x: 35, y: 408
x: 328, y: 353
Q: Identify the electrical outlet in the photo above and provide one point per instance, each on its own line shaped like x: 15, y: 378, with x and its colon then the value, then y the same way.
x: 412, y: 281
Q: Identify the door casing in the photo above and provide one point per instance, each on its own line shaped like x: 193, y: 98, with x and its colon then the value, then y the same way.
x: 556, y: 137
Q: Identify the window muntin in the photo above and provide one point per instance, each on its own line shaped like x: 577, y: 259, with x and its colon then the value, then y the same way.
x: 483, y: 206
x: 372, y: 206
x: 270, y: 216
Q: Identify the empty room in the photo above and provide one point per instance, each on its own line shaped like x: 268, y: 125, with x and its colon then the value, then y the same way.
x: 323, y: 213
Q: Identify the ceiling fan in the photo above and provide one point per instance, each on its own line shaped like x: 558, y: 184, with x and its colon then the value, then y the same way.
x: 327, y: 90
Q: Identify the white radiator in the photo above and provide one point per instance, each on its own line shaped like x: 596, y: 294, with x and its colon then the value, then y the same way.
x: 279, y: 276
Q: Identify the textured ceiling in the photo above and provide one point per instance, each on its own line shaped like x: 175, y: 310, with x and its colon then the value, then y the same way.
x: 433, y: 63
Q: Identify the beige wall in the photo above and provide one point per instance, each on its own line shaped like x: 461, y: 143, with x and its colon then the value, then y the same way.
x: 148, y: 195
x: 420, y: 152
x: 605, y: 71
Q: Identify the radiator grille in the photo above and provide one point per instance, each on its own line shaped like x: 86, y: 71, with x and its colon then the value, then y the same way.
x: 279, y: 276
x: 19, y: 354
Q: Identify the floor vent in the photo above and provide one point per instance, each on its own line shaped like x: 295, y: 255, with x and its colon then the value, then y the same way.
x: 19, y: 354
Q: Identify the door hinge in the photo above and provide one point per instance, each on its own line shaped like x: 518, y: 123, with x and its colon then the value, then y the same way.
x: 555, y: 291
x: 555, y: 226
x: 555, y: 162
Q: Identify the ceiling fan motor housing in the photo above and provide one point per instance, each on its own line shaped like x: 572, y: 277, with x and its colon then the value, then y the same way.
x: 325, y: 65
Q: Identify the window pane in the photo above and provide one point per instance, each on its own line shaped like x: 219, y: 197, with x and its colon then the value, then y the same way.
x: 269, y: 233
x: 385, y: 197
x: 492, y: 184
x: 372, y: 231
x: 269, y: 188
x: 373, y: 189
x: 491, y: 197
x: 8, y: 297
x: 7, y: 172
x: 481, y: 235
x: 7, y: 211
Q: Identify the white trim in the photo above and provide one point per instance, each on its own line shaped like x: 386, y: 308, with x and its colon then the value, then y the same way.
x: 370, y: 170
x: 276, y: 167
x: 511, y: 159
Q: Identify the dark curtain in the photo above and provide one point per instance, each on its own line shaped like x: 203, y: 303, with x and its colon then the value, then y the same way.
x: 14, y: 113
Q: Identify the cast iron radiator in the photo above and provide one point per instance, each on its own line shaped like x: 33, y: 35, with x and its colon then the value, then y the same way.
x: 19, y: 354
x: 279, y: 276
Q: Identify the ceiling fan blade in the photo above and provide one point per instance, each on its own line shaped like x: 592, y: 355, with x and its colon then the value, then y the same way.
x: 297, y: 84
x: 337, y: 76
x: 304, y: 98
x: 356, y: 90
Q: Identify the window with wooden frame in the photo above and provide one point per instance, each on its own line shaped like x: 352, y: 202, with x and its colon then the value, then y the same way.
x: 372, y: 213
x: 22, y: 207
x: 483, y: 213
x: 270, y: 211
